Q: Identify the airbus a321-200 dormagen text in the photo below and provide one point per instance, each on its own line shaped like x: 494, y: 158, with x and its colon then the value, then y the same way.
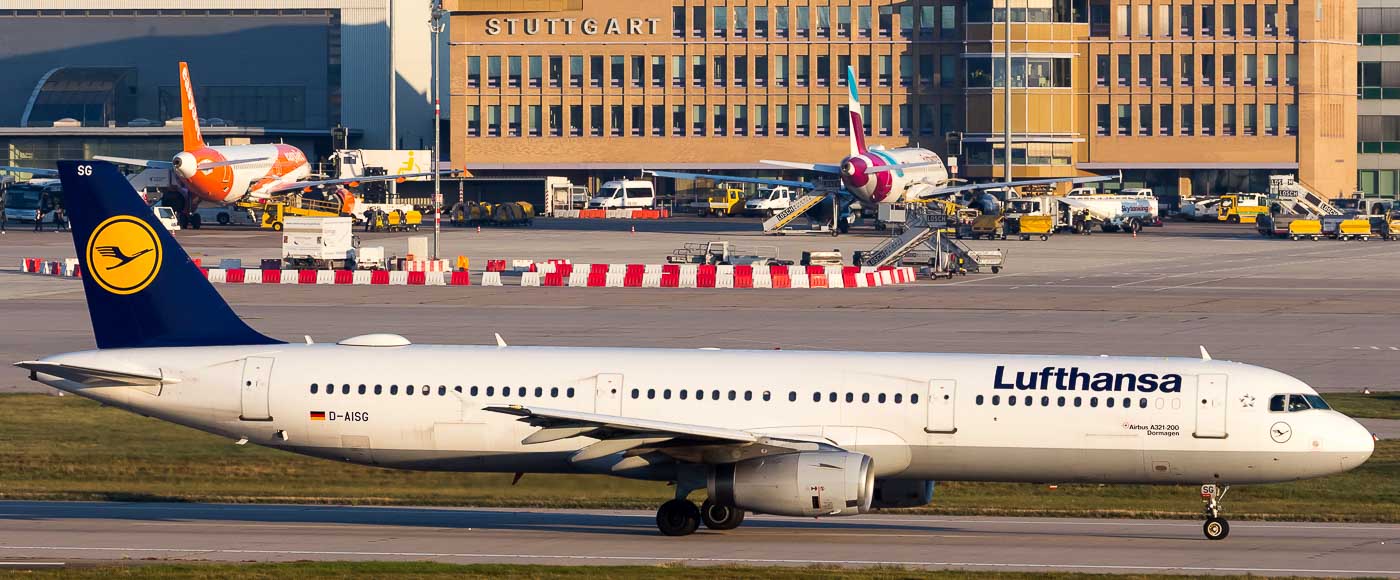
x: 778, y: 432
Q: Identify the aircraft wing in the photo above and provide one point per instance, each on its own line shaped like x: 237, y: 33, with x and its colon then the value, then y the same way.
x: 30, y: 170
x: 999, y: 184
x: 357, y: 180
x: 137, y: 162
x: 635, y: 437
x: 718, y: 178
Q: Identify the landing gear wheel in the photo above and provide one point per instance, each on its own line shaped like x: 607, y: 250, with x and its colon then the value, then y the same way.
x: 1217, y: 528
x: 678, y: 517
x: 720, y: 517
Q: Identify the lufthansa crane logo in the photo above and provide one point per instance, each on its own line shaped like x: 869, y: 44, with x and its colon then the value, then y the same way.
x: 123, y: 255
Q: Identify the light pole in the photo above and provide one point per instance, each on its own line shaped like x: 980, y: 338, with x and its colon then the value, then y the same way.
x: 437, y: 23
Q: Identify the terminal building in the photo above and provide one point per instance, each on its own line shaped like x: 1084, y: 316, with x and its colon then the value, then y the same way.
x: 99, y: 77
x: 1198, y: 96
x: 1378, y: 74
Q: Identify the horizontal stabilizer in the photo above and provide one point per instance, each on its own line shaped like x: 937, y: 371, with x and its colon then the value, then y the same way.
x: 718, y: 178
x: 899, y: 167
x: 226, y: 163
x: 137, y: 162
x: 96, y: 377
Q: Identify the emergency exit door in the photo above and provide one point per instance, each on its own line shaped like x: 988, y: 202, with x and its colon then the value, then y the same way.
x: 607, y: 394
x: 1212, y: 398
x: 256, y: 388
x: 942, y: 402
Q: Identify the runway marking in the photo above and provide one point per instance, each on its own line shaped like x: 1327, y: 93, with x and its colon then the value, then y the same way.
x: 714, y: 560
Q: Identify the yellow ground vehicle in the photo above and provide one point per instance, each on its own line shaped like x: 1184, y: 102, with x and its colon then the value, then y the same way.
x: 1358, y: 228
x: 1242, y: 208
x: 992, y: 227
x: 1036, y: 225
x: 724, y: 203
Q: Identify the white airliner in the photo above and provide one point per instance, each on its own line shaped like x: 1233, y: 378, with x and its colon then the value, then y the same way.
x: 777, y: 432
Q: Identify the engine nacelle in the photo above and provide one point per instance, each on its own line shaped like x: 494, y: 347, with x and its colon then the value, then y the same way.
x: 806, y: 484
x: 902, y: 493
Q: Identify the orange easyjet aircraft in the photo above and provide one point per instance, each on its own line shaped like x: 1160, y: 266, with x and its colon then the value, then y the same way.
x: 233, y: 173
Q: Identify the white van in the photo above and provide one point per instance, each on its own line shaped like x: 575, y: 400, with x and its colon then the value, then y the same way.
x: 624, y: 194
x: 227, y: 215
x: 166, y: 216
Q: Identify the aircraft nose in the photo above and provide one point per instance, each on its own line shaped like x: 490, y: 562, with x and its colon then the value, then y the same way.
x: 1358, y: 444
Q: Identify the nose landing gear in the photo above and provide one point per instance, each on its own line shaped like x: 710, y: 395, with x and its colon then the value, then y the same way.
x: 1216, y: 527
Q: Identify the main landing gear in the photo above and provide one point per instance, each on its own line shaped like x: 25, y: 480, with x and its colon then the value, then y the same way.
x: 1216, y: 528
x: 680, y: 517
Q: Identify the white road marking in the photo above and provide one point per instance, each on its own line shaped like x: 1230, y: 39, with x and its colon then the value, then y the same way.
x: 713, y: 560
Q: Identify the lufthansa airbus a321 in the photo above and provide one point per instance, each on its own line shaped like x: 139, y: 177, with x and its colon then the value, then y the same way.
x: 778, y: 432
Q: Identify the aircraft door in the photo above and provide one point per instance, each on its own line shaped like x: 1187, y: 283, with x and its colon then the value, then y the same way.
x: 1212, y: 394
x: 607, y: 394
x: 256, y: 388
x: 942, y: 402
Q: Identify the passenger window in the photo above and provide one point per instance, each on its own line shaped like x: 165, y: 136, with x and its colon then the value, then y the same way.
x: 1127, y: 403
x: 816, y: 397
x: 748, y: 395
x: 914, y: 399
x: 458, y: 388
x: 996, y: 399
x: 554, y: 393
x: 767, y: 395
x: 408, y: 390
x: 699, y: 394
x: 666, y: 394
x: 344, y: 389
x: 732, y: 395
x: 442, y: 391
x: 1044, y: 401
x: 505, y: 391
x: 881, y: 398
x: 1029, y: 400
x: 1061, y: 401
x: 651, y: 393
x: 393, y: 389
x: 899, y: 398
x: 1093, y: 401
x: 1078, y: 401
x: 379, y: 389
x: 1109, y: 402
x: 1276, y: 403
x: 683, y: 394
x: 979, y: 400
x: 570, y: 392
x: 635, y: 393
x: 362, y: 389
x: 490, y: 391
x: 539, y: 391
x: 1011, y: 400
x: 313, y: 388
x: 865, y: 397
x: 1142, y: 403
x: 831, y: 397
x: 792, y: 396
x: 475, y: 390
x: 427, y: 390
x: 850, y: 397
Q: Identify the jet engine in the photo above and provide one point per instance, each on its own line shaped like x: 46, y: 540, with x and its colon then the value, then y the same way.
x: 806, y: 484
x: 902, y: 493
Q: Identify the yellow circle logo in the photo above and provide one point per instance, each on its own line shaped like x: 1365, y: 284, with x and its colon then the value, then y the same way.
x: 123, y: 255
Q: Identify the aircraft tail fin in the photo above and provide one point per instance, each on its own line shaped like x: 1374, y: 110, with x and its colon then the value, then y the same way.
x: 857, y: 124
x: 142, y: 288
x: 189, y: 115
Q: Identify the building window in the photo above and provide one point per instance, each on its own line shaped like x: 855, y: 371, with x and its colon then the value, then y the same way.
x: 1164, y: 20
x: 1188, y: 69
x: 843, y: 62
x: 886, y: 22
x: 741, y: 120
x: 1103, y: 120
x: 1250, y: 119
x: 1207, y: 70
x: 823, y: 21
x: 1125, y: 70
x: 741, y: 70
x: 473, y: 71
x: 473, y: 121
x: 595, y: 120
x: 639, y: 71
x: 678, y: 21
x: 780, y: 76
x: 1125, y: 120
x: 616, y: 71
x: 639, y: 120
x: 575, y: 72
x: 1144, y: 20
x: 493, y: 71
x: 720, y: 21
x: 1251, y: 13
x: 1123, y: 20
x: 886, y: 120
x: 760, y: 127
x: 906, y: 69
x: 536, y: 71
x: 823, y: 117
x: 1227, y: 125
x: 697, y: 25
x: 780, y: 124
x: 1251, y: 66
x: 1102, y: 70
x: 1188, y: 120
x: 886, y: 63
x: 1291, y: 26
x: 741, y: 21
x: 1144, y: 70
x: 678, y: 71
x: 658, y: 121
x: 1164, y: 70
x: 843, y: 21
x: 556, y: 120
x: 721, y: 122
x: 760, y: 21
x: 616, y: 120
x: 863, y: 70
x: 1271, y: 119
x: 760, y: 71
x: 575, y: 120
x: 906, y: 120
x: 948, y: 23
x: 1207, y: 19
x: 948, y: 70
x: 556, y: 71
x: 927, y: 120
x: 906, y: 21
x: 1227, y: 70
x: 1187, y: 20
x: 780, y: 21
x: 823, y: 70
x: 1290, y: 70
x: 513, y: 120
x: 697, y: 70
x: 804, y: 21
x: 803, y: 69
x: 1270, y: 20
x: 1227, y: 19
x: 658, y: 71
x: 677, y: 121
x: 697, y: 120
x: 1144, y: 120
x: 804, y: 114
x: 1290, y: 119
x: 595, y: 77
x: 1270, y: 70
x: 513, y: 66
x: 947, y: 118
x: 493, y: 120
x: 863, y: 21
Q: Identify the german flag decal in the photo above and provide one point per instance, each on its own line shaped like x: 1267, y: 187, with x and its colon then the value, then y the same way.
x: 318, y: 415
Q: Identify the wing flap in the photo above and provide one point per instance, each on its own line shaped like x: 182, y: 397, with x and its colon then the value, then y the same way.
x: 560, y: 418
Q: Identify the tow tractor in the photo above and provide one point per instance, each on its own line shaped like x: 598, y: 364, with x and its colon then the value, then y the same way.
x: 726, y: 200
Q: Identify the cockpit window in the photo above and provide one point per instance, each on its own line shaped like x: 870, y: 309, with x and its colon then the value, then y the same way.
x: 1295, y: 403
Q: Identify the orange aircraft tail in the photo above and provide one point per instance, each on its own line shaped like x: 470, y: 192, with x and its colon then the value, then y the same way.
x: 189, y: 116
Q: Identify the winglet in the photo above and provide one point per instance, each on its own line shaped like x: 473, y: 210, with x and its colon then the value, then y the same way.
x: 1205, y: 355
x: 189, y: 116
x: 500, y: 342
